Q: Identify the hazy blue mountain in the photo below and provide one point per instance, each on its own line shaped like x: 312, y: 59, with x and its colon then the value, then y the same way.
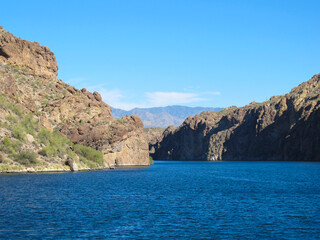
x: 162, y: 116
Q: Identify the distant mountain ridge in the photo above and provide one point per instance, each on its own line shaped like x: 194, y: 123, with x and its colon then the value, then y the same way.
x: 163, y: 116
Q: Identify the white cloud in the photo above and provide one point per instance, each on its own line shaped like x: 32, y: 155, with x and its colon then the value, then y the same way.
x: 116, y: 98
x: 212, y: 93
x: 158, y: 99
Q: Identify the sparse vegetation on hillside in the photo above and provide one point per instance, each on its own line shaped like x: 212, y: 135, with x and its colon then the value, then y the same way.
x: 47, y: 147
x: 147, y: 129
x: 89, y: 154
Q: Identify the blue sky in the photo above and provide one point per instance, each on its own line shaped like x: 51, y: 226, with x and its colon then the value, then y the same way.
x: 193, y: 53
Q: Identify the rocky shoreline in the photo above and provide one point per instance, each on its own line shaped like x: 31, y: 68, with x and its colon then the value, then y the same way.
x: 32, y: 170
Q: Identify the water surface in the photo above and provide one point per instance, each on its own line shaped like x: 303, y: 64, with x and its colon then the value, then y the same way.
x: 169, y: 200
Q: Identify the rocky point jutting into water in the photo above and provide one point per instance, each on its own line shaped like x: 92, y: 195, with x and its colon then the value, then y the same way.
x: 284, y: 128
x: 47, y: 124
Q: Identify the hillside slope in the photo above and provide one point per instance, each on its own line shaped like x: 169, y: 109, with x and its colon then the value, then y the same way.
x: 37, y: 111
x: 284, y: 128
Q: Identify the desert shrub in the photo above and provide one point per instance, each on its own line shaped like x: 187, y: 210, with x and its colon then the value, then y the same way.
x: 6, y: 146
x: 19, y: 132
x: 9, y: 146
x: 29, y: 124
x: 5, y: 103
x: 26, y: 158
x: 44, y: 136
x: 56, y: 145
x: 151, y: 160
x: 72, y: 154
x: 6, y: 141
x: 11, y: 118
x: 16, y: 145
x: 16, y: 110
x: 89, y: 154
x: 122, y: 121
x: 49, y: 151
x: 89, y: 163
x: 3, y: 100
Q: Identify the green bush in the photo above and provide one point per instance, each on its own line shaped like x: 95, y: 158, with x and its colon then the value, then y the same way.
x: 26, y: 158
x: 20, y: 129
x: 56, y: 145
x: 89, y: 163
x: 11, y: 118
x: 10, y: 147
x: 29, y: 124
x: 19, y: 132
x: 44, y: 136
x: 72, y: 155
x: 151, y: 160
x: 49, y: 151
x: 5, y: 103
x: 89, y: 154
x: 6, y: 142
x: 122, y: 121
x: 16, y: 110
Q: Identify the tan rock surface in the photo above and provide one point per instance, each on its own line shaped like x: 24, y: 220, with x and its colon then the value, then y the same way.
x: 28, y: 81
x: 31, y: 56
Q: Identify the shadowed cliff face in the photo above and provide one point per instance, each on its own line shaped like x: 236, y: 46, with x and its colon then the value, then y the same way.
x: 28, y: 81
x: 283, y: 128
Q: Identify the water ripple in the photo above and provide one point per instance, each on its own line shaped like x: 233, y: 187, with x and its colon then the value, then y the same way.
x: 169, y: 200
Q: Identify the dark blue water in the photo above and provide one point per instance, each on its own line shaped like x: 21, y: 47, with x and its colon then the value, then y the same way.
x: 169, y: 200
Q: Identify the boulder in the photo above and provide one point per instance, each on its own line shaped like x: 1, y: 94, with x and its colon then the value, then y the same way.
x: 30, y: 138
x: 72, y: 164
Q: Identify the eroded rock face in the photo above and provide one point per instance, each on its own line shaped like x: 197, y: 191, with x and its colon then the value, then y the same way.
x: 28, y: 77
x: 31, y: 56
x: 284, y: 128
x: 154, y: 135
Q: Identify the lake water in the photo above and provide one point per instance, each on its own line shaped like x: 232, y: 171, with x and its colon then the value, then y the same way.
x: 169, y: 200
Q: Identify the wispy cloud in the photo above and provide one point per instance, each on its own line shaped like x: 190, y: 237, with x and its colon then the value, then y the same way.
x: 118, y: 99
x: 171, y: 98
x: 212, y: 93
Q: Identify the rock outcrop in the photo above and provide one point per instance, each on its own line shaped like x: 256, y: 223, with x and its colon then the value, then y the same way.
x: 284, y: 128
x: 154, y: 135
x: 28, y: 82
x: 29, y: 55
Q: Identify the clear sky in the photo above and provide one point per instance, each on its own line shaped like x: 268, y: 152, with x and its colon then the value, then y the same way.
x: 166, y: 52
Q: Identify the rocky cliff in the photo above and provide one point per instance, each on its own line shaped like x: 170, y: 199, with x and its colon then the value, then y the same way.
x: 284, y: 128
x: 30, y: 90
x: 29, y: 55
